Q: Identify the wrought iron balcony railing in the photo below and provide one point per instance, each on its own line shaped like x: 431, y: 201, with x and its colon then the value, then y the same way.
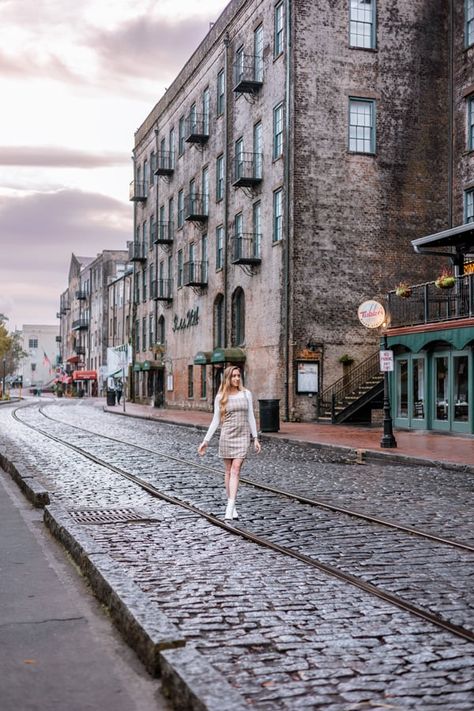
x: 80, y: 324
x: 80, y: 350
x: 246, y: 249
x: 247, y: 170
x: 429, y: 304
x: 81, y: 294
x: 164, y: 233
x: 164, y: 163
x: 138, y: 190
x: 195, y: 273
x: 248, y: 73
x: 58, y: 339
x: 162, y: 290
x: 196, y: 207
x: 197, y: 128
x: 136, y: 252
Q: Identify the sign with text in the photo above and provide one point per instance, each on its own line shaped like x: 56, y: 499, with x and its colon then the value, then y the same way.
x: 307, y: 377
x: 386, y: 361
x: 371, y: 314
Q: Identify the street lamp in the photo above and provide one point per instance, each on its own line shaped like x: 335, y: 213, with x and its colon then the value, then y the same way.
x: 4, y: 376
x: 388, y: 439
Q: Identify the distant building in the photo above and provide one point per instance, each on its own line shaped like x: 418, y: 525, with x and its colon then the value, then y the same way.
x: 278, y: 184
x: 40, y: 343
x: 84, y: 317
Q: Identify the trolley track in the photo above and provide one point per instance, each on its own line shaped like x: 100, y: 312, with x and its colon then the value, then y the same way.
x: 334, y: 571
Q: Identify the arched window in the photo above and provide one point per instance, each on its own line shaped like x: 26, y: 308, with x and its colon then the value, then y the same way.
x: 219, y: 321
x: 160, y: 331
x: 238, y: 317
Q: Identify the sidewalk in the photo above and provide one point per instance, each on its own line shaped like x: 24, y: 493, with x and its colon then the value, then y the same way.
x: 58, y: 651
x: 412, y: 445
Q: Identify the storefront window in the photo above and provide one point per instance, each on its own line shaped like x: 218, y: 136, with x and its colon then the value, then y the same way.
x: 441, y: 375
x: 402, y: 388
x: 418, y: 412
x: 461, y: 404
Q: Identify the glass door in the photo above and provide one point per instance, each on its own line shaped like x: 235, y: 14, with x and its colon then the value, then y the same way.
x: 452, y: 373
x: 441, y: 415
x: 410, y: 391
x: 460, y: 392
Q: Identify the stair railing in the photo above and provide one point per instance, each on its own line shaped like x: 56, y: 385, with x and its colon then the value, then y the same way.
x: 350, y: 382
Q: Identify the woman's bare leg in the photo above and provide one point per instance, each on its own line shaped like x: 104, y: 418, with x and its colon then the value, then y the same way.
x: 228, y: 466
x: 234, y: 478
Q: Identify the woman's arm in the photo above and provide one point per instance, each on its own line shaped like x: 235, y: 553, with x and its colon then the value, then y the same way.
x: 251, y: 416
x: 212, y: 427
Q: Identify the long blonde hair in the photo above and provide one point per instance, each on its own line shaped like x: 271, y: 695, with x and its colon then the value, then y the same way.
x: 225, y: 387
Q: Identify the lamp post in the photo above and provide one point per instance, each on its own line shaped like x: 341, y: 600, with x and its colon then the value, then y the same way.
x: 4, y: 376
x: 388, y: 439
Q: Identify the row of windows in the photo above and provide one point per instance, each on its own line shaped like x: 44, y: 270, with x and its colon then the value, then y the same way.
x: 145, y: 329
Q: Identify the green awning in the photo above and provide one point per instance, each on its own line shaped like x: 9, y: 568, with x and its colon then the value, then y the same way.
x: 137, y: 367
x: 228, y: 355
x: 458, y: 338
x: 150, y: 364
x: 202, y: 358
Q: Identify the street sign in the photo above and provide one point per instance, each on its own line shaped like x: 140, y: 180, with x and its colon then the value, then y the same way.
x: 371, y: 314
x: 386, y: 361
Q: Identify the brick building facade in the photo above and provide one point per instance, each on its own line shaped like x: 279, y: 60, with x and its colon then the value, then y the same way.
x: 278, y: 184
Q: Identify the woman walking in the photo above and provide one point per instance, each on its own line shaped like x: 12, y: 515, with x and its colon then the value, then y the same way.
x: 233, y: 410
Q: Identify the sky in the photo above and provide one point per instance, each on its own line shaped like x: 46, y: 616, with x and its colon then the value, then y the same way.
x: 77, y: 78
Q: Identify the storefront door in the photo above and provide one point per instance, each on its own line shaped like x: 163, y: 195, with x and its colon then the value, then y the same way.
x: 410, y: 391
x: 452, y: 383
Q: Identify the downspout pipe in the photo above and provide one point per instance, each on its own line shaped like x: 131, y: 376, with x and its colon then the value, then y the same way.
x: 288, y: 241
x: 134, y: 291
x: 451, y: 113
x: 227, y: 184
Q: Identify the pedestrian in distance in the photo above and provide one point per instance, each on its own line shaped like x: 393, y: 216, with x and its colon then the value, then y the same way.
x: 118, y: 390
x: 233, y: 411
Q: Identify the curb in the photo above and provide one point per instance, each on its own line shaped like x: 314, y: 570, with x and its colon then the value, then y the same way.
x: 188, y: 680
x: 369, y: 454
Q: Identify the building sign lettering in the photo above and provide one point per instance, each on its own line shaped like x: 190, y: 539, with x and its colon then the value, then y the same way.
x: 191, y: 319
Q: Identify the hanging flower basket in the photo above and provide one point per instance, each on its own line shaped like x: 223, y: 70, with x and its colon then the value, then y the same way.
x: 404, y: 291
x: 445, y: 280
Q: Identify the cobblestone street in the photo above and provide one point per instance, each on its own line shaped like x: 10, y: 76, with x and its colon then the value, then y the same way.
x: 282, y: 634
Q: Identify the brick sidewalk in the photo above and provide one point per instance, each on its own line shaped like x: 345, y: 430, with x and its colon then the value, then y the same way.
x: 419, y: 444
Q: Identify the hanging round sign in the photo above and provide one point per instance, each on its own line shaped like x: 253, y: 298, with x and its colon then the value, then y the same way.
x: 371, y: 314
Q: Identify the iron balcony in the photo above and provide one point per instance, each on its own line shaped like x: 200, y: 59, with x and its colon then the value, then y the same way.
x: 81, y: 294
x: 58, y: 339
x: 136, y: 252
x: 164, y: 233
x: 164, y: 163
x: 195, y: 273
x: 162, y: 290
x: 80, y: 350
x: 138, y: 190
x: 248, y: 74
x: 430, y: 304
x: 196, y: 207
x: 247, y: 170
x: 197, y: 129
x: 246, y: 249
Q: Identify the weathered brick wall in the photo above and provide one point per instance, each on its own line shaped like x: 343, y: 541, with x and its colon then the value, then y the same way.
x: 356, y: 214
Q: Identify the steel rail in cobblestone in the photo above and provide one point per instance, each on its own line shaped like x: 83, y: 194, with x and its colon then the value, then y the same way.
x: 282, y: 492
x: 259, y: 540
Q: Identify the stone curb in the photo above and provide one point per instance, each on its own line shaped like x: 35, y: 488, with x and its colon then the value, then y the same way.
x: 25, y: 479
x: 192, y: 683
x: 371, y: 454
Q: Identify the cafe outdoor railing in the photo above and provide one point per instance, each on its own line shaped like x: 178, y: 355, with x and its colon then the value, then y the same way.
x: 429, y: 304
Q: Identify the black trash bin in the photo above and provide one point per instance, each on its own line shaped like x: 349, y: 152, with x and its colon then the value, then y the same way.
x: 269, y: 415
x: 110, y: 397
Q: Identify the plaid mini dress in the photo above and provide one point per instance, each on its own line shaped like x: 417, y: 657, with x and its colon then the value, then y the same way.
x: 235, y: 430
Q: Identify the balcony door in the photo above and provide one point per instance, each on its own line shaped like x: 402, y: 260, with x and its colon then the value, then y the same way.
x: 452, y: 391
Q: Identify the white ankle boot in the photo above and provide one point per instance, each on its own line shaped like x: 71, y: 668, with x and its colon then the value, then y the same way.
x: 229, y: 512
x: 235, y: 515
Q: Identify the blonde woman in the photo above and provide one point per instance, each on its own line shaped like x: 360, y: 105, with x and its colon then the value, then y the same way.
x: 233, y: 410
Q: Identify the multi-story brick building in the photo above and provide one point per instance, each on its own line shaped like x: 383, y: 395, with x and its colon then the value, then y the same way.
x: 277, y: 185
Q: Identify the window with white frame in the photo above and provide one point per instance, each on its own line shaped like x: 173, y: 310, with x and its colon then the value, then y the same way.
x: 469, y: 12
x: 205, y: 190
x: 181, y: 136
x: 160, y: 332
x: 32, y: 343
x: 257, y: 150
x: 180, y: 268
x: 239, y: 158
x: 277, y: 131
x: 204, y: 264
x: 361, y: 125
x: 206, y: 110
x: 180, y: 208
x: 278, y: 30
x: 171, y: 147
x: 470, y: 122
x: 144, y: 333
x: 278, y: 215
x: 257, y: 228
x: 469, y: 205
x: 220, y: 93
x: 219, y: 247
x: 219, y: 178
x: 258, y: 53
x: 362, y: 24
x: 219, y: 321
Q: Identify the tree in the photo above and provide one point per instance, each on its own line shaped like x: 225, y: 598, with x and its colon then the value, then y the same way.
x: 10, y: 347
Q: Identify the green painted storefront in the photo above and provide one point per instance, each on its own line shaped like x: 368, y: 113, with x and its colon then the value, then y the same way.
x: 432, y: 385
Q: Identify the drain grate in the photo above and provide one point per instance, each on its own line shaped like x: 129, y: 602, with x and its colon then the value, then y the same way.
x: 108, y: 516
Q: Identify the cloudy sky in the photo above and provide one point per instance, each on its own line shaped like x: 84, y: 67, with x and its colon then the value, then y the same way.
x: 77, y: 78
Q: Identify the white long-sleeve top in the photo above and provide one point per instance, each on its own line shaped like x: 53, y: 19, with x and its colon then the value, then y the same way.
x: 217, y: 417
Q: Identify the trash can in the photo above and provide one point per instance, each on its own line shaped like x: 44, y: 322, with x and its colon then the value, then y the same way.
x: 269, y: 415
x: 110, y: 397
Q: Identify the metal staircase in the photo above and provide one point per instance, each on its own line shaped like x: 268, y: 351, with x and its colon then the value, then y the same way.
x: 353, y: 396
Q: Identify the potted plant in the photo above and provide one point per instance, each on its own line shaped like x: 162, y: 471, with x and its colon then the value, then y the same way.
x: 346, y: 359
x: 445, y: 280
x: 403, y: 290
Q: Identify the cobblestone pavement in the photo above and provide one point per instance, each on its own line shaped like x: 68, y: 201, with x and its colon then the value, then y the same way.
x: 286, y: 636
